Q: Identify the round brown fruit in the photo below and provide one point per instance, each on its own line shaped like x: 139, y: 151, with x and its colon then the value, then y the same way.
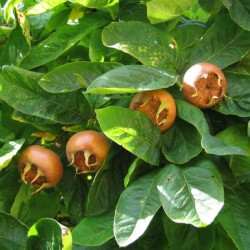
x: 204, y: 85
x: 87, y: 150
x: 40, y: 166
x: 158, y: 105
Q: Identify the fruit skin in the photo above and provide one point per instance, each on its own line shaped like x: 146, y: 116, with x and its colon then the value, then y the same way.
x: 40, y: 166
x: 87, y: 150
x: 204, y: 85
x: 158, y: 105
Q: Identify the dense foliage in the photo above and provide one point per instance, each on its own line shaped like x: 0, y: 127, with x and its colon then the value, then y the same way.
x: 69, y: 66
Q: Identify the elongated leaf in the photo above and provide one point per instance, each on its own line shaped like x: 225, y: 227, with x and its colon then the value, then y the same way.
x: 132, y: 78
x: 183, y: 236
x: 13, y: 233
x: 73, y: 76
x: 61, y: 40
x: 141, y: 40
x: 234, y: 217
x: 43, y: 6
x: 45, y: 232
x: 162, y: 10
x: 192, y: 195
x: 237, y: 136
x: 237, y: 99
x: 107, y: 185
x: 232, y: 44
x: 131, y: 130
x: 94, y: 230
x: 8, y: 151
x: 135, y: 209
x: 239, y: 11
x: 9, y: 186
x: 20, y: 90
x: 215, y: 146
x: 181, y: 143
x: 16, y: 48
x: 192, y: 115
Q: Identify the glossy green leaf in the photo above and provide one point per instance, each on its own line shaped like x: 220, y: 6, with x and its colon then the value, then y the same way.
x: 16, y: 48
x: 73, y: 76
x: 192, y: 195
x: 62, y: 40
x: 45, y: 234
x: 135, y: 209
x: 232, y: 43
x: 181, y: 143
x: 239, y: 11
x: 192, y: 115
x: 149, y: 45
x: 36, y: 206
x: 215, y: 146
x: 93, y: 3
x: 185, y: 36
x: 106, y: 186
x: 234, y: 217
x: 13, y: 233
x: 97, y: 51
x: 237, y: 136
x: 43, y: 6
x: 183, y: 236
x: 237, y: 100
x: 94, y: 230
x: 20, y: 90
x: 162, y: 10
x: 132, y: 78
x: 129, y: 129
x: 8, y: 151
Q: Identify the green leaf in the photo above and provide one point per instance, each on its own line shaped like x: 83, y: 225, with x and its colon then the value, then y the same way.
x: 135, y: 209
x: 8, y: 151
x: 20, y: 90
x: 234, y: 217
x: 185, y: 38
x: 94, y: 230
x: 16, y: 48
x: 192, y: 115
x: 13, y: 233
x: 181, y: 142
x: 62, y: 40
x: 131, y: 79
x: 107, y: 185
x: 43, y: 6
x: 93, y: 3
x: 232, y: 44
x: 149, y: 45
x: 162, y: 10
x: 192, y: 195
x: 97, y: 51
x: 239, y: 12
x: 237, y: 99
x: 222, y: 240
x: 73, y: 76
x: 129, y: 129
x: 236, y: 135
x: 9, y: 186
x: 215, y: 146
x: 184, y: 236
x: 38, y: 206
x: 6, y: 135
x: 45, y: 234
